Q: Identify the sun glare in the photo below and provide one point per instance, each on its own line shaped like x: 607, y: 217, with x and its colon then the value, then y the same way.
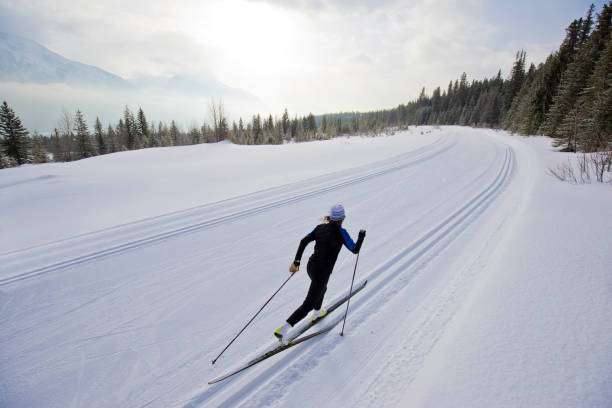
x: 250, y: 34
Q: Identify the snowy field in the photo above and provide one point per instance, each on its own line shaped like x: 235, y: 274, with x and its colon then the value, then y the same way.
x: 489, y: 281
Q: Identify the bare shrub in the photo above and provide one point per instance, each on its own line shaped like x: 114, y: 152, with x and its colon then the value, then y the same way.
x: 601, y: 163
x: 564, y: 172
x: 585, y: 167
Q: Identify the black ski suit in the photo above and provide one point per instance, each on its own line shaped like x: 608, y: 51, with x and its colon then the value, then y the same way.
x: 329, y: 238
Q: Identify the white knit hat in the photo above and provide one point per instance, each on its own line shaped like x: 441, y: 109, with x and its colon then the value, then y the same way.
x: 336, y: 213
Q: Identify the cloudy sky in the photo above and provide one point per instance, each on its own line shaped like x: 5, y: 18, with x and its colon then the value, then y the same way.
x: 309, y: 56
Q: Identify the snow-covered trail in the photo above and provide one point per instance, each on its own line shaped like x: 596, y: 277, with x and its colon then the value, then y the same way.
x: 133, y: 315
x: 416, y: 282
x: 57, y: 255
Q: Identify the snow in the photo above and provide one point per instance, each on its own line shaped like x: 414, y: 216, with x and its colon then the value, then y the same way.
x: 65, y: 199
x: 123, y: 276
x: 543, y: 320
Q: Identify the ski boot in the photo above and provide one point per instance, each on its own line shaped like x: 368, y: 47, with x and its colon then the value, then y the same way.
x: 281, y: 333
x: 317, y: 314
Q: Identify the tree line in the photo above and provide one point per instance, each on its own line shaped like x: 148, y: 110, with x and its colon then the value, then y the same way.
x: 567, y: 97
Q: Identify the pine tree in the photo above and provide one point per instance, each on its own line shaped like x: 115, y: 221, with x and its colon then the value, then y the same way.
x: 566, y: 114
x: 257, y: 130
x: 195, y: 136
x: 520, y: 105
x: 324, y: 124
x: 294, y: 127
x: 268, y: 130
x: 13, y: 135
x: 596, y: 104
x: 112, y: 139
x: 142, y: 130
x: 540, y: 96
x: 354, y: 123
x: 513, y: 86
x: 56, y: 146
x: 278, y: 132
x: 300, y: 133
x: 130, y: 128
x: 570, y: 44
x: 164, y: 134
x: 555, y: 67
x: 121, y: 136
x: 491, y: 115
x: 587, y: 24
x: 310, y: 126
x: 6, y: 162
x: 338, y: 126
x: 562, y: 121
x: 153, y: 135
x: 99, y: 136
x: 285, y: 123
x: 223, y: 131
x: 241, y: 132
x: 83, y: 138
x: 234, y: 133
x: 479, y: 107
x: 174, y: 134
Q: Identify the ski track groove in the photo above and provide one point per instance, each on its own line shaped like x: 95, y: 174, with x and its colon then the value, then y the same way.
x: 383, y: 168
x: 381, y: 277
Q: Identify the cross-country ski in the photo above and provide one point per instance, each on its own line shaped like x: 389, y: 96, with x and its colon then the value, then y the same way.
x: 294, y: 338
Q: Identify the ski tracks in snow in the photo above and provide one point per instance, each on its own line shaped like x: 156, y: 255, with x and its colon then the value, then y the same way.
x: 74, y: 251
x: 410, y: 278
x: 423, y: 304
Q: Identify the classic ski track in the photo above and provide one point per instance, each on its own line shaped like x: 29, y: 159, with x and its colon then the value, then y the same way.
x: 286, y: 195
x: 261, y: 195
x: 387, y: 274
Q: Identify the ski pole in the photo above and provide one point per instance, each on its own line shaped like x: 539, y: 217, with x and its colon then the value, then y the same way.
x: 253, y: 318
x: 350, y: 294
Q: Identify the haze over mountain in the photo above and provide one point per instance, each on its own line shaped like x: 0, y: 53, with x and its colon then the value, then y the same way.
x: 24, y: 60
x: 40, y: 83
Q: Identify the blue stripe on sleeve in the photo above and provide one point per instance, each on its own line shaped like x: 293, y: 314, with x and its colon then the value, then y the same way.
x: 348, y: 241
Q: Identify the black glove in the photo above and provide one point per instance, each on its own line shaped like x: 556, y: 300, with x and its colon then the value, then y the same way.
x: 362, y: 234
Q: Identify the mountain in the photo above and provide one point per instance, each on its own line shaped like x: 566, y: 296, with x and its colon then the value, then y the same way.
x: 24, y: 60
x: 39, y: 84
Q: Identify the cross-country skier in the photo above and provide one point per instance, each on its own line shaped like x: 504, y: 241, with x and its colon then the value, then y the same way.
x: 329, y: 238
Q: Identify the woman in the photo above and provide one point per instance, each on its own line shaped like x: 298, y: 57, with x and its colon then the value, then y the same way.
x: 329, y: 238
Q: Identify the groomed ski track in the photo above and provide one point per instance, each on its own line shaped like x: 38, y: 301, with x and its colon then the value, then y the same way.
x: 161, y: 321
x: 134, y: 235
x: 388, y: 281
